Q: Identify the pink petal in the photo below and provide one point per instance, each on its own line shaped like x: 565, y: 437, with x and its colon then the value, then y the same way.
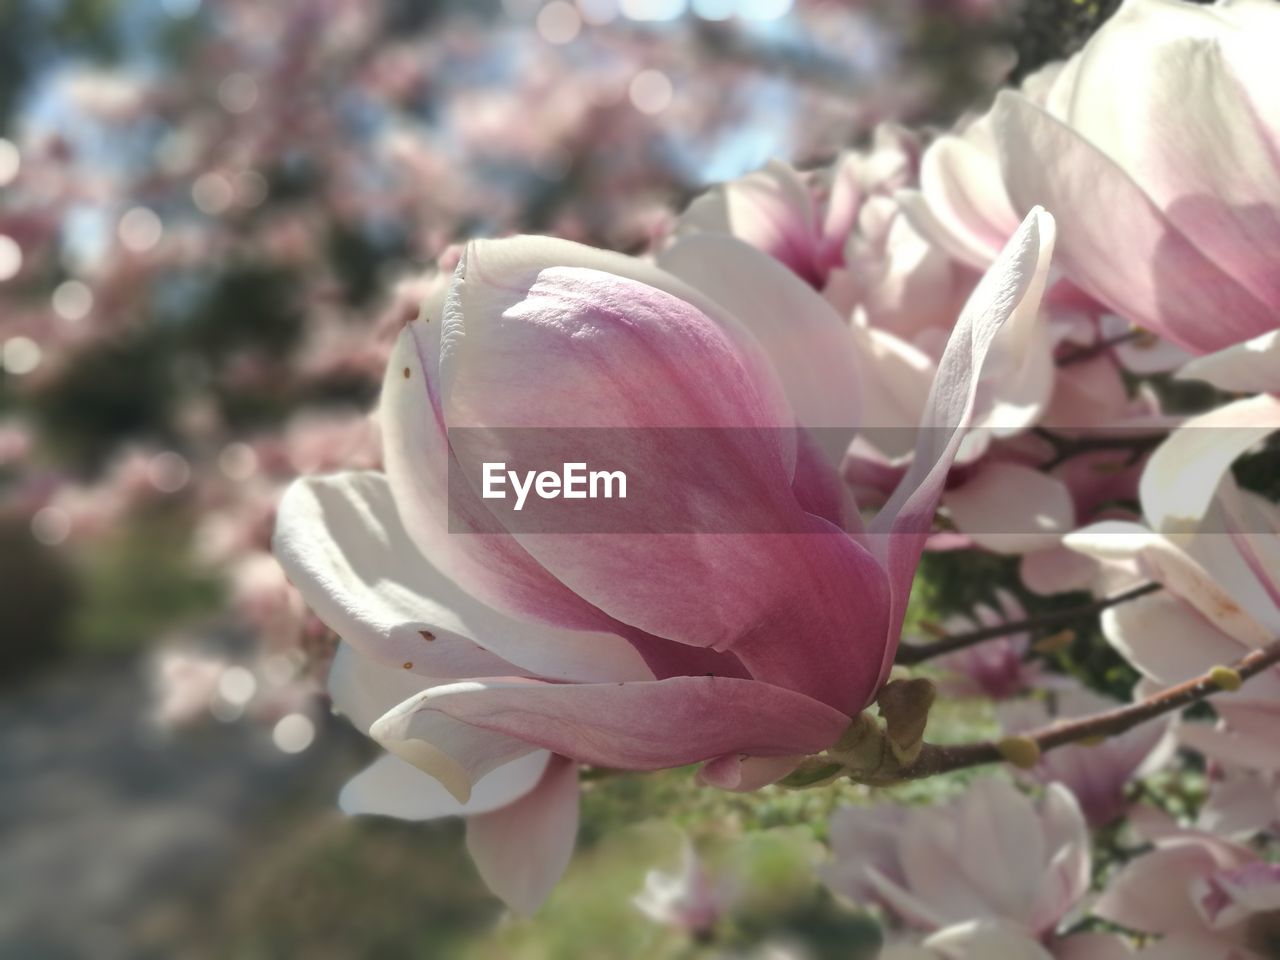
x: 1056, y: 570
x: 742, y: 774
x: 1156, y: 276
x: 1204, y: 155
x: 810, y: 347
x: 637, y: 726
x: 772, y: 210
x: 522, y: 849
x: 1153, y: 894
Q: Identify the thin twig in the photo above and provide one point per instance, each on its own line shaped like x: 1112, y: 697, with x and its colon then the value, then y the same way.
x: 1099, y: 348
x: 1067, y: 447
x: 935, y: 759
x: 918, y: 653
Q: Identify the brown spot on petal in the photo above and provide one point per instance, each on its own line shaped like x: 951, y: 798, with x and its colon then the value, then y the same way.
x: 406, y: 373
x: 427, y: 635
x: 408, y: 664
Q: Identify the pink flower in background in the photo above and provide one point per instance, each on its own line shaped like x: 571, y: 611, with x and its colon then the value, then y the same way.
x: 990, y: 854
x: 843, y: 231
x: 185, y: 684
x: 474, y: 650
x: 687, y: 900
x: 1205, y: 897
x: 807, y: 221
x: 997, y: 668
x: 1098, y: 775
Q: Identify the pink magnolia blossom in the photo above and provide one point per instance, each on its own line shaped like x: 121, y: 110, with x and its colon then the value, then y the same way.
x: 990, y: 854
x: 688, y: 900
x: 998, y: 668
x: 1207, y: 898
x: 844, y: 231
x: 184, y: 682
x: 466, y: 653
x: 806, y: 221
x: 1155, y: 147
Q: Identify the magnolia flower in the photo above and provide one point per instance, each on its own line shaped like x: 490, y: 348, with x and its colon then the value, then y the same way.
x: 467, y: 653
x: 1097, y: 775
x: 989, y: 854
x: 184, y: 684
x: 686, y: 900
x: 1208, y: 898
x: 798, y: 219
x: 1155, y: 148
x: 997, y: 668
x: 1216, y: 551
x: 900, y: 292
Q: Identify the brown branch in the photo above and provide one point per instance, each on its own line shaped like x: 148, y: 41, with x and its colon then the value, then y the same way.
x: 918, y: 653
x: 1099, y: 348
x: 1067, y: 447
x: 935, y: 759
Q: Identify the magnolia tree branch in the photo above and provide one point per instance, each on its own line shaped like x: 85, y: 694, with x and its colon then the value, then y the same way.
x: 909, y: 655
x: 1099, y: 348
x: 1025, y: 750
x: 1067, y: 447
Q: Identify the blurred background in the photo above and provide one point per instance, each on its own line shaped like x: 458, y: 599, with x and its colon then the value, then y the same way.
x: 214, y: 215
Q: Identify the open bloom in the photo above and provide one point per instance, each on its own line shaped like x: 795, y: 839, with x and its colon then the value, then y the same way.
x: 1155, y: 147
x: 806, y: 221
x: 1216, y: 550
x: 468, y: 653
x: 687, y: 900
x: 998, y: 668
x: 1208, y: 898
x: 990, y: 854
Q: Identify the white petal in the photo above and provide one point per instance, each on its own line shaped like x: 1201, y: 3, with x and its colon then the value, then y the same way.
x: 1249, y: 367
x: 453, y: 752
x: 1184, y: 472
x: 341, y: 542
x: 1010, y: 508
x: 522, y: 849
x: 391, y: 787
